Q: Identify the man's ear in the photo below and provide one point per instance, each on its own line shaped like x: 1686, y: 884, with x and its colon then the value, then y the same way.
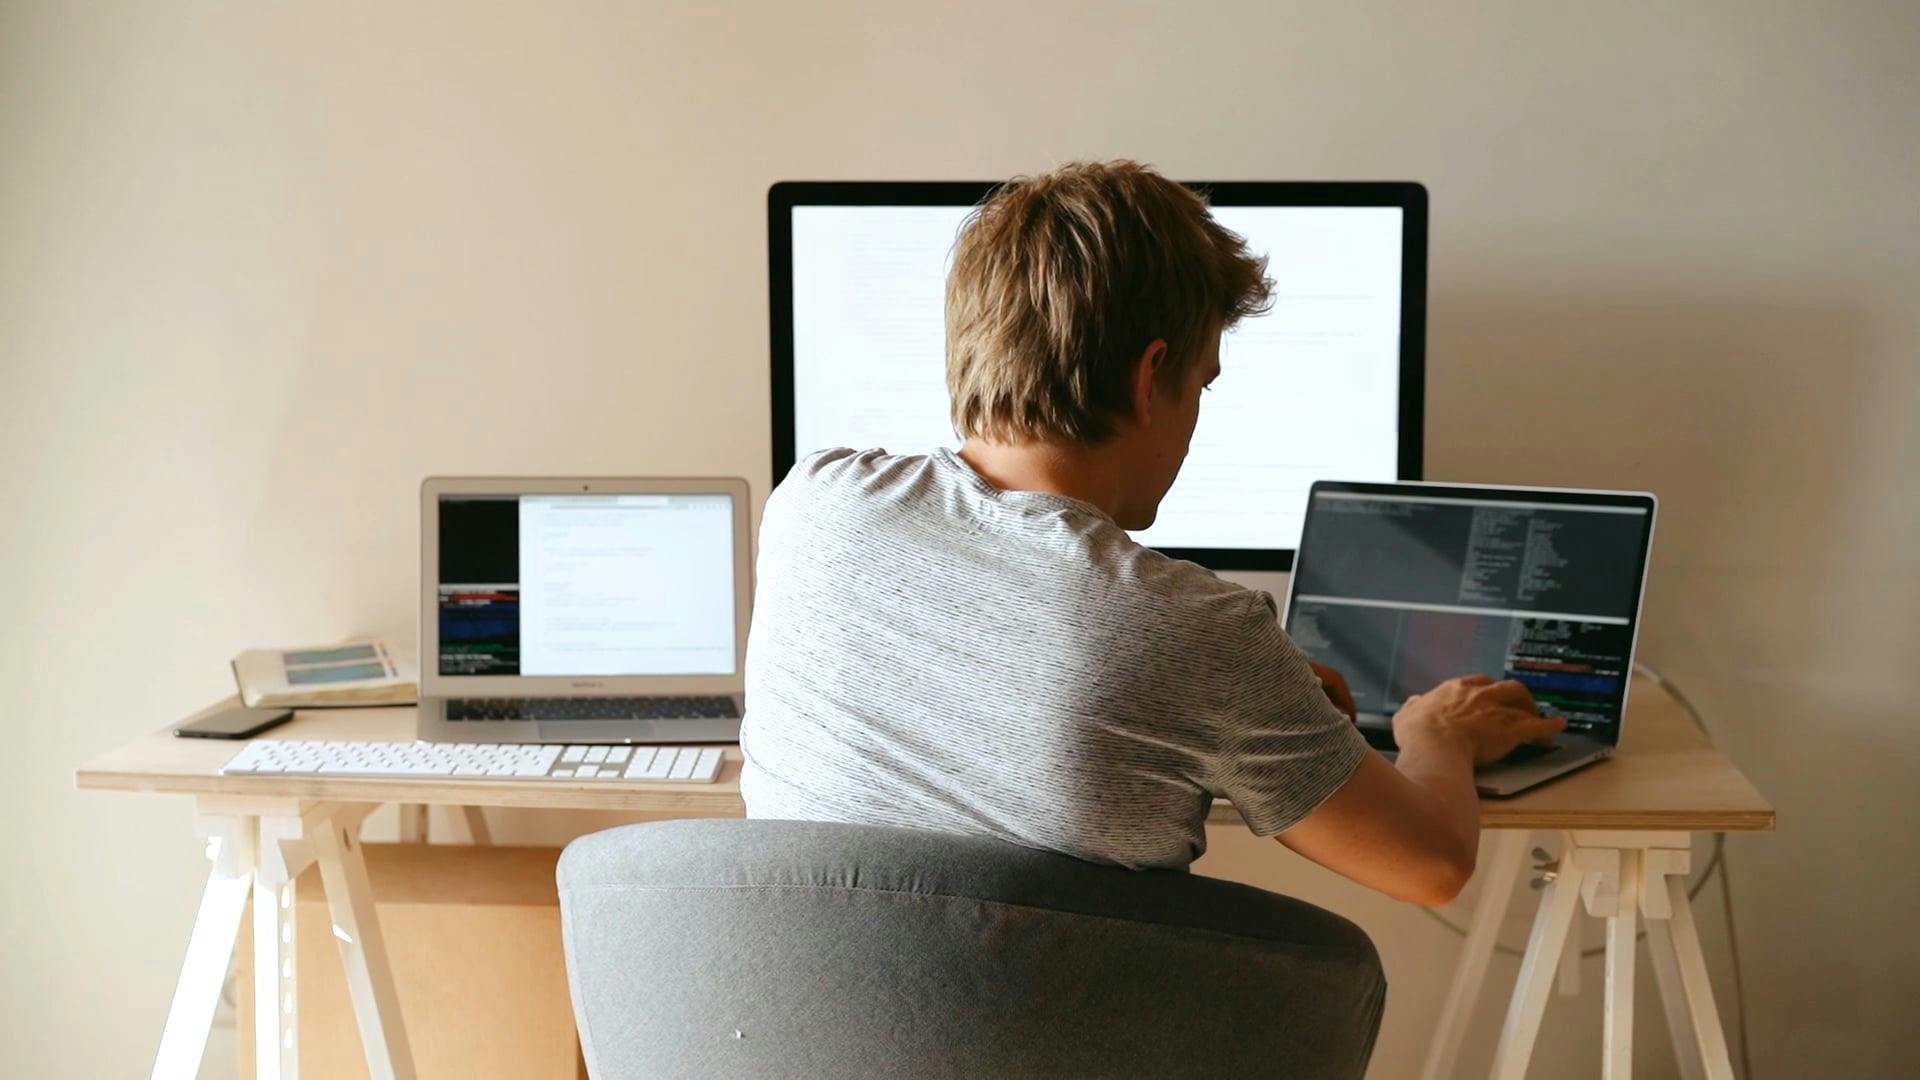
x: 1146, y: 375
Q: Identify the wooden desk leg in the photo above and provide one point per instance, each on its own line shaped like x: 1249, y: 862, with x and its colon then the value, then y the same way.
x: 414, y: 823
x: 469, y: 826
x: 1680, y: 968
x: 283, y: 854
x: 1558, y: 904
x: 216, y: 926
x: 334, y: 833
x: 1503, y: 862
x: 1625, y: 878
x: 1673, y: 999
x: 1570, y: 956
x: 1623, y: 943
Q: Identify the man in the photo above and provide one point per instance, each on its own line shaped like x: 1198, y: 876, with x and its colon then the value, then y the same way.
x: 970, y: 642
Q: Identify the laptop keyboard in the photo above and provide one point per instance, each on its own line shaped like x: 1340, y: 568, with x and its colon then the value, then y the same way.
x: 593, y: 708
x: 1526, y: 752
x: 1382, y: 741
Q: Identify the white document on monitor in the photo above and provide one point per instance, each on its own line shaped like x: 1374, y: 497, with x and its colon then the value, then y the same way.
x: 1309, y: 390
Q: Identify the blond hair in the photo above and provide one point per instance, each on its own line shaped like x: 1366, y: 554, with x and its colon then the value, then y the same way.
x: 1061, y: 281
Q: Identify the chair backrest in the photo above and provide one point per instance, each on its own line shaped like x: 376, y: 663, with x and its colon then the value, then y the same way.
x: 784, y: 948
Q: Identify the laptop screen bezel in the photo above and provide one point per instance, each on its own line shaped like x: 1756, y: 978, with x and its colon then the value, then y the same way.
x: 1498, y: 493
x: 434, y: 684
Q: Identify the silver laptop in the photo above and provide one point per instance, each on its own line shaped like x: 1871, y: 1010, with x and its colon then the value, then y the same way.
x: 583, y: 610
x: 1400, y: 587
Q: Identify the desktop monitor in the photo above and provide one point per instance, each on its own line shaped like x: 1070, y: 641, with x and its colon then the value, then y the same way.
x: 1328, y: 384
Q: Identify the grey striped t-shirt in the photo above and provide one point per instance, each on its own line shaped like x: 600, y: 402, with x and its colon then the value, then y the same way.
x: 933, y: 652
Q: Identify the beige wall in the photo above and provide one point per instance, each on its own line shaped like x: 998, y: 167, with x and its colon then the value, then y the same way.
x: 263, y: 266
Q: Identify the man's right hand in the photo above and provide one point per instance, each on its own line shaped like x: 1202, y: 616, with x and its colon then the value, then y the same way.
x: 1412, y: 829
x: 1485, y: 717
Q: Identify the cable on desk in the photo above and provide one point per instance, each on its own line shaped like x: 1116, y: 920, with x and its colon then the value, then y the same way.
x: 1716, y: 862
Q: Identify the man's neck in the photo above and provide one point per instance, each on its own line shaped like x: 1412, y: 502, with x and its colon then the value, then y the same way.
x: 1091, y: 474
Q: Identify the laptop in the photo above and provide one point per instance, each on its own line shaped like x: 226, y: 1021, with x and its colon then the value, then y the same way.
x: 583, y: 610
x: 1400, y: 587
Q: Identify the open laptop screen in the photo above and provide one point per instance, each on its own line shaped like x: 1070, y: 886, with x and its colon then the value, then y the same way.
x: 1402, y: 588
x: 586, y: 585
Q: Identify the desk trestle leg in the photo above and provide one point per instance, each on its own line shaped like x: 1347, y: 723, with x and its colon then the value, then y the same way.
x: 334, y: 833
x: 276, y: 1041
x: 1623, y: 938
x: 1558, y: 903
x: 468, y: 825
x: 1629, y: 879
x: 1502, y: 859
x: 260, y: 848
x: 1680, y: 969
x: 413, y: 823
x: 230, y: 846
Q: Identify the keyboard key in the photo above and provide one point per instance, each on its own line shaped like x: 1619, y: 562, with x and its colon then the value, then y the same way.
x: 597, y: 754
x: 683, y: 764
x: 574, y: 753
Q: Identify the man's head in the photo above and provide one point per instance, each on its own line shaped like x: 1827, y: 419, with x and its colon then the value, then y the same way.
x: 1084, y: 312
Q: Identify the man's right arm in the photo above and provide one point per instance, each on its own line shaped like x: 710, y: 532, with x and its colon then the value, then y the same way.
x: 1412, y: 829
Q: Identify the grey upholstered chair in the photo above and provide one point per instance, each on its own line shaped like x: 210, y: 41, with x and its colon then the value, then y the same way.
x: 797, y: 949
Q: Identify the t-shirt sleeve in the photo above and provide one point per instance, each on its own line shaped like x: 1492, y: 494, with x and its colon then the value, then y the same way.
x: 1281, y: 747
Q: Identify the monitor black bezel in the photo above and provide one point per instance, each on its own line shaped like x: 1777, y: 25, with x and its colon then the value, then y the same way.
x: 1408, y: 196
x: 1639, y: 500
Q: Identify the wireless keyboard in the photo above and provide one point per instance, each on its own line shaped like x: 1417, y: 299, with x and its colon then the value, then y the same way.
x: 499, y: 761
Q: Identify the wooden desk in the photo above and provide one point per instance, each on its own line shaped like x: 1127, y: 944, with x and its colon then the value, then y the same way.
x: 165, y: 764
x: 1627, y: 823
x: 1666, y: 776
